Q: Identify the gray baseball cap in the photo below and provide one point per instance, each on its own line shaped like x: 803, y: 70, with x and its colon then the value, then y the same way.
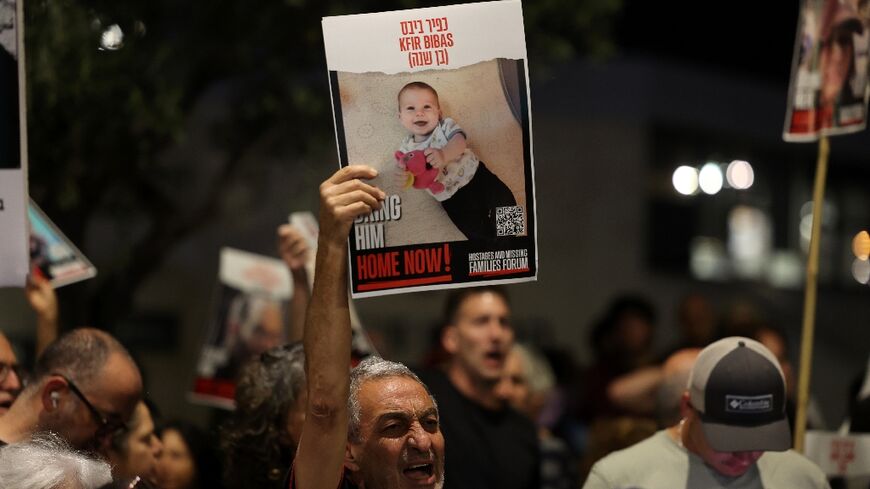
x: 738, y: 389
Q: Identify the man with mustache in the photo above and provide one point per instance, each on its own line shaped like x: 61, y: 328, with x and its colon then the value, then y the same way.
x: 734, y: 432
x: 377, y: 428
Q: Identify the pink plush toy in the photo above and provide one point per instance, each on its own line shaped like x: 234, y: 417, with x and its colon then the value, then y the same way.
x: 420, y: 174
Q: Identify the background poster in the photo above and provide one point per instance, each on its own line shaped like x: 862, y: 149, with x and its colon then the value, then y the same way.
x: 449, y: 228
x: 248, y: 319
x: 14, y: 263
x: 829, y: 89
x: 52, y: 254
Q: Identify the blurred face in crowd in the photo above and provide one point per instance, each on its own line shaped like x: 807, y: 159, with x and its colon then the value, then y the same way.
x: 401, y: 445
x: 634, y: 333
x: 481, y: 336
x: 776, y: 344
x: 177, y: 468
x: 140, y: 451
x: 269, y: 333
x: 513, y: 386
x: 729, y: 464
x: 835, y: 60
x: 10, y: 383
x: 113, y: 396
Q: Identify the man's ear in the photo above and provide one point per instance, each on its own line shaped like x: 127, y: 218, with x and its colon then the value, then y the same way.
x: 449, y: 340
x: 51, y: 394
x: 350, y: 459
x: 685, y: 405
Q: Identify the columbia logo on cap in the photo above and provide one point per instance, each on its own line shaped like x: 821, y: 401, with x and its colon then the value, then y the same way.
x: 749, y: 404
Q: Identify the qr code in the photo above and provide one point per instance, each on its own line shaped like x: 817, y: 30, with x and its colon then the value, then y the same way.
x: 509, y: 221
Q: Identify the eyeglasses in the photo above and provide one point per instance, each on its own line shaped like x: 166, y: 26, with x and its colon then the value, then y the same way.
x: 8, y: 368
x: 108, y: 424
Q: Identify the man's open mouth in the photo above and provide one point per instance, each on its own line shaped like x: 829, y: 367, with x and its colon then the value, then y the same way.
x: 495, y: 356
x: 419, y: 471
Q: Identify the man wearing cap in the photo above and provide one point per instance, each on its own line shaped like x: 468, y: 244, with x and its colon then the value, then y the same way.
x: 733, y: 434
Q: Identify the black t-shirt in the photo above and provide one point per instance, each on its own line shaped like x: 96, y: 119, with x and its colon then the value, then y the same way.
x: 484, y: 449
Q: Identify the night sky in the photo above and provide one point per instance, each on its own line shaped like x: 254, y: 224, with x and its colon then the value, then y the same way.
x: 741, y: 36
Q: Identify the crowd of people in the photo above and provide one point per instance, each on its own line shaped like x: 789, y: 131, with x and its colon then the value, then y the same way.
x: 487, y: 411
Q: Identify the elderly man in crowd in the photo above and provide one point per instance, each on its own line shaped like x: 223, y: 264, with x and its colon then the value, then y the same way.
x: 85, y: 388
x: 734, y: 431
x: 378, y: 428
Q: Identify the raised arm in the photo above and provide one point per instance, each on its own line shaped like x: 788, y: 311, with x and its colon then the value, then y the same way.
x: 294, y: 250
x: 43, y: 300
x: 320, y: 456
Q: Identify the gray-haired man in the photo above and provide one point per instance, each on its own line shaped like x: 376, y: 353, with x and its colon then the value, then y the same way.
x: 379, y: 427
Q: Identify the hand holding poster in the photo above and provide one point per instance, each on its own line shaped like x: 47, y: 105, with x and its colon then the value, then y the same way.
x: 437, y: 101
x: 829, y: 83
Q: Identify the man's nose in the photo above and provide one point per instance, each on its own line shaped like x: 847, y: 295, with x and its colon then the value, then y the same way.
x: 158, y: 447
x: 13, y: 381
x: 419, y: 438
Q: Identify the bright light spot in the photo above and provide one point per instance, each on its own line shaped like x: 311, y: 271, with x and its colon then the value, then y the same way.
x: 749, y: 241
x: 710, y: 178
x: 685, y: 180
x: 707, y: 259
x: 829, y: 218
x: 112, y: 38
x: 861, y: 245
x: 740, y: 175
x: 861, y: 271
x: 785, y: 270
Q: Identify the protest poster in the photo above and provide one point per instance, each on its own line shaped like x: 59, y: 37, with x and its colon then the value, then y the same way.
x: 14, y: 264
x: 455, y: 161
x: 829, y: 89
x: 52, y: 254
x: 839, y: 454
x: 249, y: 316
x: 360, y: 344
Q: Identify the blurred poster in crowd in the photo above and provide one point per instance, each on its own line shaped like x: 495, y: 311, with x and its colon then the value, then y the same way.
x: 361, y: 345
x: 840, y: 455
x: 14, y: 263
x: 52, y: 254
x: 829, y: 89
x: 250, y: 312
x: 437, y: 100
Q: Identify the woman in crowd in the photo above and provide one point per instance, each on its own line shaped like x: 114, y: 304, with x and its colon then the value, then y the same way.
x: 259, y: 441
x: 134, y: 452
x: 189, y: 460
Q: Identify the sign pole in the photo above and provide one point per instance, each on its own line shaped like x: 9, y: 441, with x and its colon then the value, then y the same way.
x: 810, y: 294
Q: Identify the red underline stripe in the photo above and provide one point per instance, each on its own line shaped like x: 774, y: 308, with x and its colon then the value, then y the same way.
x: 404, y: 283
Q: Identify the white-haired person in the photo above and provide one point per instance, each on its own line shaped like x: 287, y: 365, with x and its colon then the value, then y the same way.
x: 48, y: 462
